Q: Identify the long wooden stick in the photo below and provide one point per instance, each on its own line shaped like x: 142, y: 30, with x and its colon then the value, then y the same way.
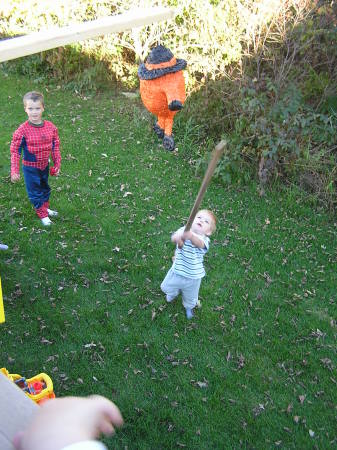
x: 45, y: 40
x: 217, y: 153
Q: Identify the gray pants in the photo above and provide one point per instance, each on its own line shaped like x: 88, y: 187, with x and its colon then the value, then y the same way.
x: 173, y: 284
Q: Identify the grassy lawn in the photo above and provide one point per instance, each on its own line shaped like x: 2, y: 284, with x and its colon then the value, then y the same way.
x: 255, y: 368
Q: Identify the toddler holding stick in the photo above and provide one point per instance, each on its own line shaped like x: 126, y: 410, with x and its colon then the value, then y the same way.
x: 187, y: 270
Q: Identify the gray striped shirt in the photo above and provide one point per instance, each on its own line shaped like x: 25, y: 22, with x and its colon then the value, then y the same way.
x: 189, y: 259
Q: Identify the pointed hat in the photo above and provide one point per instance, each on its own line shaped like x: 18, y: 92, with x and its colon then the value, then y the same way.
x: 160, y: 61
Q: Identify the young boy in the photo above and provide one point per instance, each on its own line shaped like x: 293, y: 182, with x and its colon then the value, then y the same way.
x: 38, y: 139
x: 188, y: 269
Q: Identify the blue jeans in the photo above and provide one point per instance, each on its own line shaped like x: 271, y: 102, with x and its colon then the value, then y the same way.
x: 36, y: 181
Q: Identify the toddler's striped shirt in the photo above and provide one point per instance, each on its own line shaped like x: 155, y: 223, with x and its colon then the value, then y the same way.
x: 189, y: 259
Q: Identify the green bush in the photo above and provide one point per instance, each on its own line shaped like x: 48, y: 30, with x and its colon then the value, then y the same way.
x: 286, y: 138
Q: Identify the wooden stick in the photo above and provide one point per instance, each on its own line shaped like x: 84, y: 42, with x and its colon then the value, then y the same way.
x: 45, y: 40
x: 217, y: 153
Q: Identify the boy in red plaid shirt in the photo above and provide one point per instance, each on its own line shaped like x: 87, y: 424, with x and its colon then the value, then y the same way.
x: 38, y: 139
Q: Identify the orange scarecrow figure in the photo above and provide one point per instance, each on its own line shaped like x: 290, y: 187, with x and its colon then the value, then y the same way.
x: 162, y: 89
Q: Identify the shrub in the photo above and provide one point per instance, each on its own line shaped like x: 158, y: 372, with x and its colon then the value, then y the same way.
x: 270, y: 138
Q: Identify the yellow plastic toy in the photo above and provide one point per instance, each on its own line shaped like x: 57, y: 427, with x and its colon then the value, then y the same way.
x: 2, y: 310
x: 38, y: 388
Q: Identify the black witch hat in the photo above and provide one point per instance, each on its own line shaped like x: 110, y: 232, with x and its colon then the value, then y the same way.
x: 160, y: 61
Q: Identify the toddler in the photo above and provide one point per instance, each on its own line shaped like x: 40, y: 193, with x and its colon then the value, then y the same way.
x: 188, y: 269
x: 38, y: 140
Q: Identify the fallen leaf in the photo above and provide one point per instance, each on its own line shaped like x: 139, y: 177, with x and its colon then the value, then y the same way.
x: 301, y: 399
x: 92, y: 344
x: 202, y: 384
x: 327, y: 363
x: 241, y: 362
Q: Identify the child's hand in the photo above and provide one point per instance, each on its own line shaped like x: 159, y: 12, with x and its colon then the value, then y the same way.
x: 187, y: 235
x: 15, y: 177
x: 180, y: 242
x: 65, y: 421
x: 54, y: 172
x: 176, y: 237
x: 179, y: 237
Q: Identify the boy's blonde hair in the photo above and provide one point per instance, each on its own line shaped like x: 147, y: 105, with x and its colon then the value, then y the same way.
x: 34, y: 96
x: 212, y: 215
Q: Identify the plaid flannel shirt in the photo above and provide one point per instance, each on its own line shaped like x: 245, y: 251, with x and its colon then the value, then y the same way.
x: 38, y: 142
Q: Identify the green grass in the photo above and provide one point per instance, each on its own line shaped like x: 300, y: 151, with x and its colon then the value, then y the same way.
x: 83, y: 301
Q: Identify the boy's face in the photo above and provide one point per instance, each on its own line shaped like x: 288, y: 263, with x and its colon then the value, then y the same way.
x: 203, y: 223
x: 34, y: 111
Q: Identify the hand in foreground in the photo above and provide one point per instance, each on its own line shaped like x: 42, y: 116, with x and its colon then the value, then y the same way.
x: 15, y: 177
x: 68, y: 420
x: 54, y: 172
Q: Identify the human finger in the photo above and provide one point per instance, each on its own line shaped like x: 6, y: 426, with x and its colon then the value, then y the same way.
x: 108, y: 412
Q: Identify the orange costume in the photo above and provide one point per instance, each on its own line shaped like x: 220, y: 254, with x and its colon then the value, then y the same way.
x: 162, y: 89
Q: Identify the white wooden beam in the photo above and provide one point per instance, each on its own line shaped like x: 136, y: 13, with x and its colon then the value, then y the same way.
x: 46, y: 40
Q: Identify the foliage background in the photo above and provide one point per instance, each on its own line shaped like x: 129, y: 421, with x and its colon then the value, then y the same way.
x: 260, y: 73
